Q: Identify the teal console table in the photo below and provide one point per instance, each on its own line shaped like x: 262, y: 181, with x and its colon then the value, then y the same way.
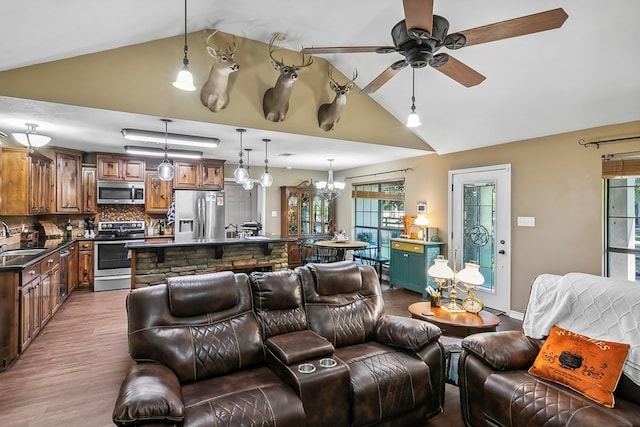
x: 409, y: 262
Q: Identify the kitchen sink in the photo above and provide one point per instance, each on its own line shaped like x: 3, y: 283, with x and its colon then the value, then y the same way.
x: 21, y: 252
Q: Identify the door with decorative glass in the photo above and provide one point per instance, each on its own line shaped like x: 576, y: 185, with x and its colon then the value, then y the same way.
x: 479, y: 221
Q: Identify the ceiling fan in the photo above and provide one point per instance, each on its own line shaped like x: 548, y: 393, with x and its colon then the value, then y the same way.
x: 421, y: 34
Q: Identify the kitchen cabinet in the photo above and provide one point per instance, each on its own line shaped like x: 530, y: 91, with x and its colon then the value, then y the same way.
x: 26, y: 182
x: 89, y: 190
x: 409, y: 262
x: 85, y: 265
x: 9, y: 313
x: 68, y: 186
x: 306, y: 216
x: 157, y: 194
x: 72, y: 265
x: 202, y: 175
x: 120, y: 168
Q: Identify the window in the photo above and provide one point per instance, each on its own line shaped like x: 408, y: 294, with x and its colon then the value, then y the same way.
x: 622, y: 227
x: 379, y: 209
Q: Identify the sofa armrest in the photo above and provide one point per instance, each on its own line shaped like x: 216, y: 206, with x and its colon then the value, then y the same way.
x: 297, y: 346
x: 407, y: 333
x: 503, y: 351
x: 150, y: 393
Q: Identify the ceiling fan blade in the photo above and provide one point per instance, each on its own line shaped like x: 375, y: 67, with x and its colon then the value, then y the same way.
x: 529, y: 24
x: 456, y: 70
x: 418, y: 14
x: 384, y: 77
x: 347, y: 49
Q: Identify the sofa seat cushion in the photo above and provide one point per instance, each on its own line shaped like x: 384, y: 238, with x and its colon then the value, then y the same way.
x: 251, y: 397
x: 519, y: 399
x: 385, y: 382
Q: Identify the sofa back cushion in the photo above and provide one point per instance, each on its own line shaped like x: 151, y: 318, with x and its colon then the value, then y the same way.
x: 277, y: 299
x: 343, y: 301
x: 195, y: 339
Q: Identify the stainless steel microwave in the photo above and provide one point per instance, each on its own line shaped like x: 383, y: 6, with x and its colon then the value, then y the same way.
x: 121, y: 193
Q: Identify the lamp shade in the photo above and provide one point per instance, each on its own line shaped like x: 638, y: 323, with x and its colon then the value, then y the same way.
x: 184, y: 80
x: 266, y: 180
x: 440, y: 269
x: 471, y: 275
x: 165, y: 171
x: 421, y: 220
x: 413, y: 121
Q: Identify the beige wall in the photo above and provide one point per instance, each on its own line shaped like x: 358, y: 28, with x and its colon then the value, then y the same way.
x: 554, y: 179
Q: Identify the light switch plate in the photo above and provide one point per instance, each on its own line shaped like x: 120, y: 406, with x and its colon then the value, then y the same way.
x: 274, y: 213
x: 526, y: 221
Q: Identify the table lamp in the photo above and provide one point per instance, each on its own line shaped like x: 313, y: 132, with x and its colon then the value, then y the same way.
x: 469, y: 276
x: 422, y: 222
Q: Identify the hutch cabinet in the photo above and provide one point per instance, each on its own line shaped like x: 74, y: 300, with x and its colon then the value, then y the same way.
x: 120, y: 168
x: 201, y: 175
x: 409, y: 262
x: 157, y: 194
x: 306, y: 216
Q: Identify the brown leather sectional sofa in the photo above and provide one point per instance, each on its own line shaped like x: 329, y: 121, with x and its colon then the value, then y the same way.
x: 306, y: 347
x: 496, y: 390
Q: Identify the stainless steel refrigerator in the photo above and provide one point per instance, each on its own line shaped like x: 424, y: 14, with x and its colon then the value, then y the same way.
x: 199, y: 215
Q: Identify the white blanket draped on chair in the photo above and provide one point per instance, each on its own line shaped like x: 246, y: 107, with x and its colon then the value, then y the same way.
x: 595, y: 306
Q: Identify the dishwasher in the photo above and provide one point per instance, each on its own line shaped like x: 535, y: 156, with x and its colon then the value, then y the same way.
x: 64, y: 275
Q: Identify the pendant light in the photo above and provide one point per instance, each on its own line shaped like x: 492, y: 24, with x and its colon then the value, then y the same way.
x: 413, y: 121
x: 248, y: 183
x: 184, y: 80
x: 165, y: 169
x: 266, y: 180
x: 240, y: 174
x: 329, y: 189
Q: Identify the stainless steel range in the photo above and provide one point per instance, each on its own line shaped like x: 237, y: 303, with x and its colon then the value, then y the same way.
x: 112, y: 261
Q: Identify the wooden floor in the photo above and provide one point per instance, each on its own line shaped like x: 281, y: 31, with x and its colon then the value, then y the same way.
x: 71, y: 373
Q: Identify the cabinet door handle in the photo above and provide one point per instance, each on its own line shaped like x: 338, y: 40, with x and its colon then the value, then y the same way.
x: 32, y: 272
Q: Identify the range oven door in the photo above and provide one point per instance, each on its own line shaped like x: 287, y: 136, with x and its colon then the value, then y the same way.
x: 112, y: 265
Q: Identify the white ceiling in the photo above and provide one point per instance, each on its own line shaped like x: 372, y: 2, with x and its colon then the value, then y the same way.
x: 582, y: 75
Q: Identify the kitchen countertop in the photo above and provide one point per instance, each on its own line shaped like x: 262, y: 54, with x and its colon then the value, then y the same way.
x: 19, y: 262
x: 215, y: 242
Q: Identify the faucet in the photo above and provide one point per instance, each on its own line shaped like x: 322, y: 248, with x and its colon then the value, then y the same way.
x: 7, y: 232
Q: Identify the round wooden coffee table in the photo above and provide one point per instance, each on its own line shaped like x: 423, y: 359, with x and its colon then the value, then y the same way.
x: 455, y: 324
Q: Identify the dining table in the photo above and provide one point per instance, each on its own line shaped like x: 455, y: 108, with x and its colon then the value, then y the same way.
x: 342, y: 246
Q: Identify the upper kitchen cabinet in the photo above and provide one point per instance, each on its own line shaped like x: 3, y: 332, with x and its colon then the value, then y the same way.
x: 27, y: 181
x: 157, y: 194
x: 120, y: 168
x: 203, y: 175
x: 89, y: 190
x: 69, y: 186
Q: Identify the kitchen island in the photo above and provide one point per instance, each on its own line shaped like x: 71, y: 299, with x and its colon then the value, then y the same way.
x: 153, y: 262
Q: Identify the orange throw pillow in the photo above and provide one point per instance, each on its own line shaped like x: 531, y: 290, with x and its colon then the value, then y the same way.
x: 589, y: 366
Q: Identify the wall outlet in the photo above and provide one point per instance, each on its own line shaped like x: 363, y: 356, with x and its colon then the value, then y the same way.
x: 274, y: 213
x: 526, y: 221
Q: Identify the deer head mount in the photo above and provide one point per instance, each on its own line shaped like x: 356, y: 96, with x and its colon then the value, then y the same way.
x: 213, y: 94
x: 275, y: 101
x: 329, y: 114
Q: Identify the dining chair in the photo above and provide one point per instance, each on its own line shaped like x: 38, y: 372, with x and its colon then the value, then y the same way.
x: 371, y: 256
x: 308, y: 252
x: 328, y: 254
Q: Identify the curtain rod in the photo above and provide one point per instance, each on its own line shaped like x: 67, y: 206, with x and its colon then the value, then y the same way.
x: 378, y: 173
x: 597, y: 143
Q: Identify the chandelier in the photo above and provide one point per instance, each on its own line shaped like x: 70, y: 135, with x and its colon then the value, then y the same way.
x: 329, y: 189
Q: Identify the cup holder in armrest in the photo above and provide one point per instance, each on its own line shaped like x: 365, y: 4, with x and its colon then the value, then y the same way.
x: 306, y: 368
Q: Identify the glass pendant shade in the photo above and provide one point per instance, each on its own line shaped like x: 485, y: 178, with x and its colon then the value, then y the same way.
x: 413, y: 121
x: 165, y: 170
x: 248, y: 184
x: 240, y: 175
x: 266, y: 180
x: 184, y: 80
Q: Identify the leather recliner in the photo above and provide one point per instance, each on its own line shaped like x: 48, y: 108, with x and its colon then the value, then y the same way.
x: 497, y: 390
x: 221, y: 350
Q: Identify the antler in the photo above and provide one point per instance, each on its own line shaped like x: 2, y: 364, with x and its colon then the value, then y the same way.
x: 353, y: 79
x: 280, y: 36
x: 231, y: 48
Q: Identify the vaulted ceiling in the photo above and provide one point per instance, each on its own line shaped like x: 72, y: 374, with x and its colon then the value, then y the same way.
x: 582, y: 75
